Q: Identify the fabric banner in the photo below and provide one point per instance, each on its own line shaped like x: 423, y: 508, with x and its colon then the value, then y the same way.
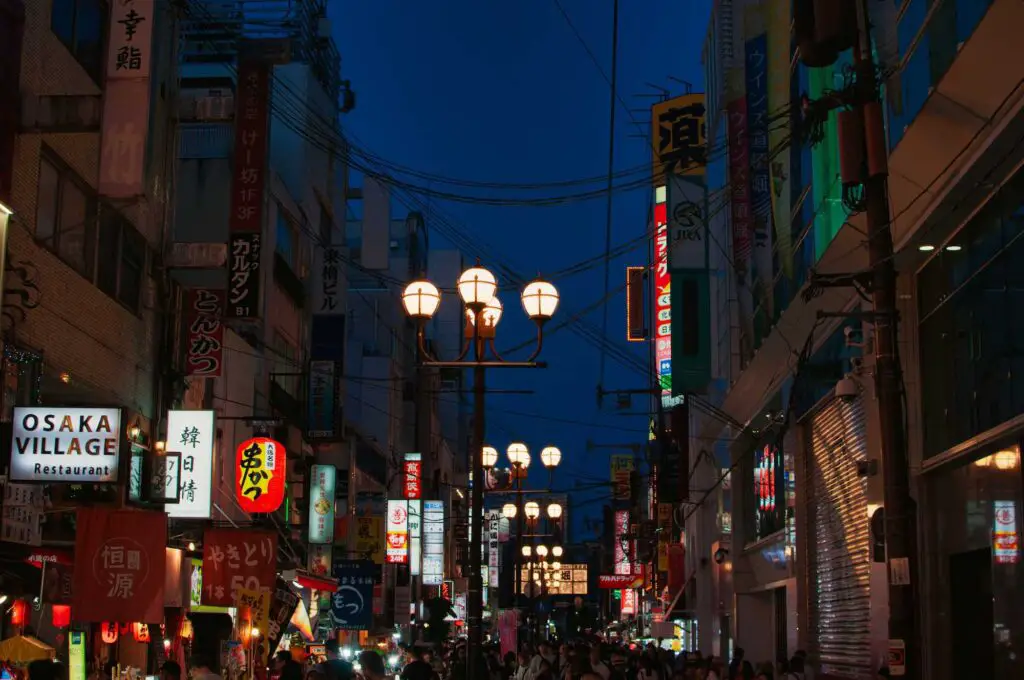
x: 120, y: 561
x: 352, y: 602
x: 234, y: 559
x: 282, y: 609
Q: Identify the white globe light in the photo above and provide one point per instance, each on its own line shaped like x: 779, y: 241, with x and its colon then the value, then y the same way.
x: 527, y: 551
x: 540, y: 300
x: 531, y: 510
x: 490, y: 456
x: 542, y: 550
x: 421, y: 299
x: 551, y: 456
x: 477, y: 286
x: 519, y: 455
x: 557, y: 551
x: 509, y: 510
x: 554, y: 511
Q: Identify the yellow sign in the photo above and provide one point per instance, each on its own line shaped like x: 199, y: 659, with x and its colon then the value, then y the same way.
x: 662, y: 556
x: 678, y: 137
x: 621, y: 467
x: 370, y: 538
x: 258, y: 604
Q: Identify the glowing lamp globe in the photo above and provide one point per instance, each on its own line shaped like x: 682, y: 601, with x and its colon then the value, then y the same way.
x: 554, y: 511
x: 531, y: 510
x: 421, y: 299
x: 477, y: 286
x: 551, y: 456
x: 540, y: 300
x: 509, y: 510
x: 519, y: 455
x: 490, y: 456
x: 557, y: 551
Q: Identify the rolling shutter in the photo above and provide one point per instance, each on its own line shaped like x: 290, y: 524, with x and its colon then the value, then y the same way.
x: 839, y: 540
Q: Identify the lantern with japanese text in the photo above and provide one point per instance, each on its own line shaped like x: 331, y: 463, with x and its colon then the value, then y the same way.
x: 140, y: 631
x: 61, y: 615
x: 260, y: 469
x: 18, y: 609
x: 108, y: 632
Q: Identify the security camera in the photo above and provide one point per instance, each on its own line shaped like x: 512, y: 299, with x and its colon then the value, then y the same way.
x: 847, y: 389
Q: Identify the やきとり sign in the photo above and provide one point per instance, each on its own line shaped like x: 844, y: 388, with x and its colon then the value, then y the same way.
x: 65, y: 444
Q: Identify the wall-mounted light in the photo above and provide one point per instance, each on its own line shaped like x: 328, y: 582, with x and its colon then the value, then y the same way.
x: 135, y: 430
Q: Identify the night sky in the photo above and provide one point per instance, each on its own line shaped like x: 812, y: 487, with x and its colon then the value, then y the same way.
x: 505, y: 92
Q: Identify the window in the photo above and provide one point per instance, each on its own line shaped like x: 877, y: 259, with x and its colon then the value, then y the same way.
x: 65, y: 215
x: 123, y: 259
x: 81, y: 26
x: 108, y: 251
x: 287, y: 238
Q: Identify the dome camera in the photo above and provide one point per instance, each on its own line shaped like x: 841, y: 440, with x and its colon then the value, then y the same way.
x: 847, y: 389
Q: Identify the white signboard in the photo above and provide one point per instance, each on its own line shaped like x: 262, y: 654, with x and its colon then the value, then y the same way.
x: 65, y: 444
x: 433, y: 543
x: 397, y: 532
x: 23, y: 514
x: 191, y: 433
x: 415, y: 536
x: 686, y: 224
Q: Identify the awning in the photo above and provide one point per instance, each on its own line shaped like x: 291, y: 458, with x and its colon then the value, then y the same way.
x: 316, y: 583
x: 23, y: 649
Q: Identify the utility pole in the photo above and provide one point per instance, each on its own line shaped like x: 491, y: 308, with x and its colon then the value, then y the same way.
x: 475, y: 601
x: 900, y: 509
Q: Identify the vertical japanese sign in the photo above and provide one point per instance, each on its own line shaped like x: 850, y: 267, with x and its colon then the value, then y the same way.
x: 779, y: 56
x: 742, y: 217
x: 756, y: 53
x: 204, y: 344
x: 493, y: 547
x: 622, y: 562
x: 679, y: 137
x: 352, y: 602
x: 120, y: 557
x: 76, y: 655
x: 22, y: 514
x: 662, y: 298
x: 321, y: 504
x: 1005, y: 538
x: 370, y: 538
x: 192, y: 433
x: 622, y: 464
x: 323, y: 403
x: 282, y: 608
x: 235, y: 559
x: 327, y: 300
x: 412, y: 487
x: 433, y: 543
x: 245, y: 223
x: 260, y: 465
x: 415, y: 536
x: 397, y: 528
x: 126, y: 99
x: 320, y: 559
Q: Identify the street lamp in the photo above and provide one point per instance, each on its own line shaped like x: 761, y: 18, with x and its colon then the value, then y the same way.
x: 556, y: 551
x: 551, y: 456
x: 542, y: 551
x: 490, y: 456
x: 555, y: 511
x: 518, y: 455
x: 478, y: 287
x: 532, y: 511
x: 509, y: 510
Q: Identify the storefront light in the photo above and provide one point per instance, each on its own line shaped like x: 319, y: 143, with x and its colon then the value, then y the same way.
x: 1008, y: 459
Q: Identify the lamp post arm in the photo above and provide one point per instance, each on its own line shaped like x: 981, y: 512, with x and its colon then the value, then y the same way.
x: 540, y: 342
x: 427, y: 355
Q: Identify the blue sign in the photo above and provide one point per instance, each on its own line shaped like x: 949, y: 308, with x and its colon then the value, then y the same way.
x: 352, y: 602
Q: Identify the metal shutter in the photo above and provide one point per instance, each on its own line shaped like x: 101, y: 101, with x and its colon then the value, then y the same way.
x: 839, y: 541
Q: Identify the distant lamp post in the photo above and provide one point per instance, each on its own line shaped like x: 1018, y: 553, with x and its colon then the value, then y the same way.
x: 478, y: 288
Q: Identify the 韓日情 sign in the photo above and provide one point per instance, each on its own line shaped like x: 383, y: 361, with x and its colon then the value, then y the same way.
x: 235, y: 559
x: 204, y: 351
x: 57, y: 444
x: 321, y: 504
x: 192, y: 433
x: 260, y: 469
x: 120, y: 558
x: 396, y: 538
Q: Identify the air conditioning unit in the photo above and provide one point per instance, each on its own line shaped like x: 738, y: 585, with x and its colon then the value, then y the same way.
x: 215, y: 107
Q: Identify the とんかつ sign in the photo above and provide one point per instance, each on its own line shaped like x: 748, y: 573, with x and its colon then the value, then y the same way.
x: 57, y: 444
x: 260, y: 465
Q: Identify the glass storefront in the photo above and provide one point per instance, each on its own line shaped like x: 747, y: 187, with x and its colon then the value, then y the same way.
x: 973, y: 565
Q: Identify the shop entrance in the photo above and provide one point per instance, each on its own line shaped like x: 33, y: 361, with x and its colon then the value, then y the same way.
x: 971, y: 616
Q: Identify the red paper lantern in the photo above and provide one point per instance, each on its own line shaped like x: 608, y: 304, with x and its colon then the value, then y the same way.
x: 18, y: 609
x: 108, y: 632
x: 61, y: 615
x: 140, y: 631
x: 260, y: 473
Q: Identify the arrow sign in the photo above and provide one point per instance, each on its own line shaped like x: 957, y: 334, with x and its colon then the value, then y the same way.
x: 620, y: 581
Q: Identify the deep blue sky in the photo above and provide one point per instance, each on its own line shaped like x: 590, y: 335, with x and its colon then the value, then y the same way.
x: 504, y: 92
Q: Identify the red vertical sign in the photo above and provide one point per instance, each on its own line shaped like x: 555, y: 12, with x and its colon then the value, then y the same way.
x: 204, y: 313
x: 662, y: 301
x: 245, y: 223
x: 739, y: 180
x: 413, y: 487
x: 119, y: 565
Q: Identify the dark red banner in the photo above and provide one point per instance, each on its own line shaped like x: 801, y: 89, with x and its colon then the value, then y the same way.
x: 620, y: 581
x: 204, y: 350
x: 739, y: 180
x: 119, y: 566
x: 234, y: 558
x: 676, y: 567
x: 413, y: 486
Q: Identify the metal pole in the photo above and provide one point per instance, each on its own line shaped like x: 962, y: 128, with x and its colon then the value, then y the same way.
x: 900, y: 510
x: 517, y: 558
x: 476, y: 604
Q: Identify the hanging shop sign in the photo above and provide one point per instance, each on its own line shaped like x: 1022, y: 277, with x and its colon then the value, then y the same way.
x: 763, y: 266
x: 23, y: 508
x: 397, y: 536
x: 204, y: 344
x: 321, y: 504
x: 352, y: 602
x: 323, y: 408
x: 620, y: 581
x: 234, y: 559
x: 65, y: 444
x: 260, y: 469
x: 433, y: 543
x: 327, y: 299
x: 165, y: 479
x: 120, y: 558
x: 245, y: 224
x: 679, y: 137
x: 662, y: 299
x: 192, y: 434
x: 282, y: 608
x: 370, y: 541
x: 413, y: 468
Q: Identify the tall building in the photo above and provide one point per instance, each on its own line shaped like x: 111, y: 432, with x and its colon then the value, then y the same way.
x: 803, y: 553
